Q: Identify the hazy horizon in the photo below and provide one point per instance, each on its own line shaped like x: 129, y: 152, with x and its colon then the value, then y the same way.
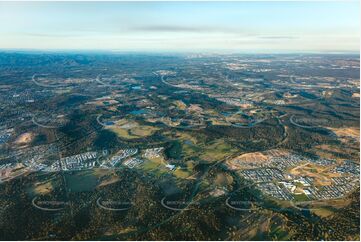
x: 235, y: 27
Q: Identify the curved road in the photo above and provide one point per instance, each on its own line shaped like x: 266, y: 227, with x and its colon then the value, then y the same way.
x: 42, y: 84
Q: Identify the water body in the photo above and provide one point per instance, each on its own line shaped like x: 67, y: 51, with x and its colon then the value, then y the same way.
x: 139, y: 112
x: 136, y: 87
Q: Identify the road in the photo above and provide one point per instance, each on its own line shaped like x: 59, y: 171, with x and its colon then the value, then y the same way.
x: 33, y: 78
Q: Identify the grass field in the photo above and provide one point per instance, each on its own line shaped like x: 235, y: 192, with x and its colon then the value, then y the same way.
x: 81, y: 181
x: 143, y: 131
x: 107, y: 176
x: 192, y: 146
x: 217, y: 151
x: 182, y: 173
x: 128, y: 129
x: 223, y: 179
x: 300, y: 197
x: 153, y: 163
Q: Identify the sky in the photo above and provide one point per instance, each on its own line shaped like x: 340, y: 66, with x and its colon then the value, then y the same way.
x: 182, y: 26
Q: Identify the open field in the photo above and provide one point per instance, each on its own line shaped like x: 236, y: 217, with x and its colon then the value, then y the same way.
x: 351, y: 132
x: 321, y: 174
x: 127, y: 129
x: 217, y: 150
x: 81, y: 181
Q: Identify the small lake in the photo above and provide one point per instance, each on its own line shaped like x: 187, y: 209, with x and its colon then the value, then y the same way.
x: 136, y: 87
x: 139, y: 112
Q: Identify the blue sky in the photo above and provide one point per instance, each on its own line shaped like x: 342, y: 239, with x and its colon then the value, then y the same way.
x: 181, y: 26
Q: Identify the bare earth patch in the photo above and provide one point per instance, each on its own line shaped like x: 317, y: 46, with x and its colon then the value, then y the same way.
x: 43, y: 188
x: 356, y: 94
x: 254, y: 159
x: 25, y: 138
x: 351, y: 132
x: 321, y: 174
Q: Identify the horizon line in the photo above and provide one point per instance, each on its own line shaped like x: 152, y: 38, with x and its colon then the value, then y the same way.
x: 218, y: 51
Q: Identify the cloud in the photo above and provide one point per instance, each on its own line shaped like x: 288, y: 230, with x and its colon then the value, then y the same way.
x: 278, y: 37
x: 209, y: 30
x: 46, y: 35
x: 177, y: 29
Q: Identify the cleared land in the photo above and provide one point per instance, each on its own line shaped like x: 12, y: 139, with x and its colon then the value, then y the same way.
x: 128, y: 129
